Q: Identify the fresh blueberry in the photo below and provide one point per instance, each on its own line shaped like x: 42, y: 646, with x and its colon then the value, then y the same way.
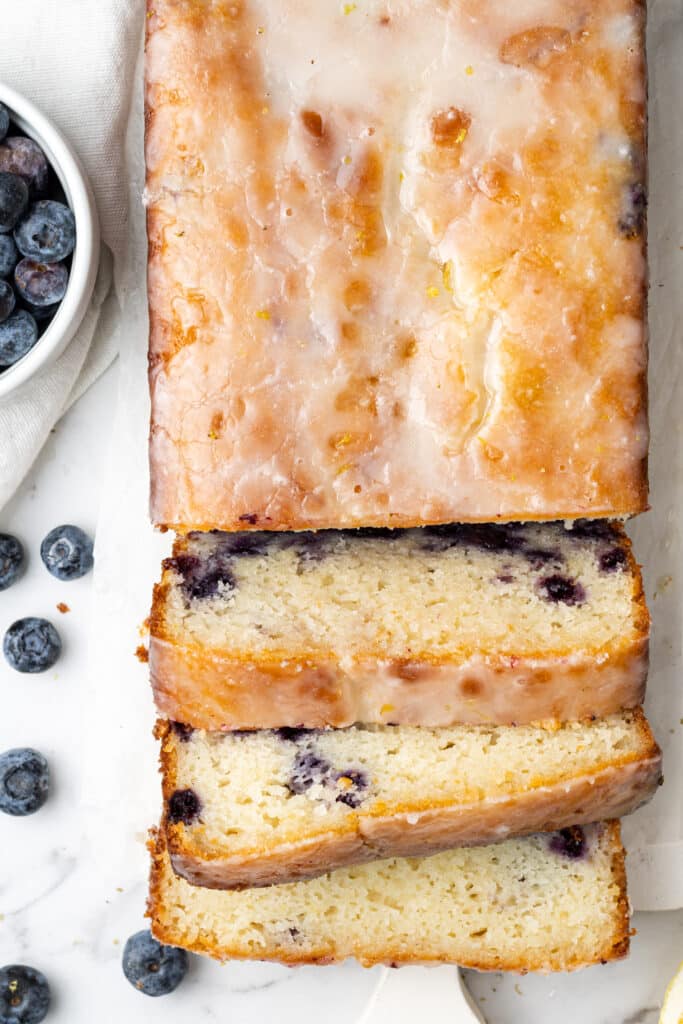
x: 8, y: 255
x: 67, y: 552
x: 47, y: 233
x: 7, y: 301
x: 184, y: 806
x: 24, y: 781
x: 11, y: 560
x: 13, y: 199
x: 24, y: 157
x: 562, y: 589
x: 569, y: 842
x: 152, y: 968
x: 31, y: 645
x: 41, y: 313
x: 24, y: 995
x: 18, y: 335
x: 41, y: 285
x: 4, y: 120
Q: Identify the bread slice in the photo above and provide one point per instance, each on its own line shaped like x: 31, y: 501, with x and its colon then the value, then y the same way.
x: 270, y: 807
x: 542, y: 903
x: 505, y: 624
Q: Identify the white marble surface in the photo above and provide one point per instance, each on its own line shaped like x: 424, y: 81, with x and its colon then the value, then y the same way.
x: 60, y: 911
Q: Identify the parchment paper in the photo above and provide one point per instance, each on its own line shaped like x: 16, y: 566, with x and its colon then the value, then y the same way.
x: 121, y: 792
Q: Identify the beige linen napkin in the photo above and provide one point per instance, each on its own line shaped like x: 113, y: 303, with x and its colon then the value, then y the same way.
x: 75, y: 60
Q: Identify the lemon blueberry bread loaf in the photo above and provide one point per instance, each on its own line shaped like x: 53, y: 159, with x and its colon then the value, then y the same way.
x: 542, y: 903
x: 434, y: 626
x: 246, y: 809
x: 396, y: 261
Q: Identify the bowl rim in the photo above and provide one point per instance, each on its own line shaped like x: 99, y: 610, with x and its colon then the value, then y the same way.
x: 85, y: 259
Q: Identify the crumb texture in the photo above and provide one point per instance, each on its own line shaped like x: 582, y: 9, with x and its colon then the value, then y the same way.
x: 526, y: 904
x: 286, y: 804
x: 436, y: 593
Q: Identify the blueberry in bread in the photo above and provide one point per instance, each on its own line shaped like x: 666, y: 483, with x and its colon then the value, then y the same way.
x: 471, y: 623
x: 541, y: 903
x: 249, y: 809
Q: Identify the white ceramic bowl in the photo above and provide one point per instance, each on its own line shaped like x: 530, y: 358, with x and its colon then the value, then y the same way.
x: 86, y: 255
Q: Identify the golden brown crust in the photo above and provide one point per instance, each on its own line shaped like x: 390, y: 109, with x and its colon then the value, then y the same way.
x: 214, y: 688
x: 615, y: 943
x: 613, y: 789
x: 500, y: 377
x: 203, y: 689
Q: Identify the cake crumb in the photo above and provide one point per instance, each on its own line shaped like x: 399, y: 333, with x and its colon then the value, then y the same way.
x: 142, y: 653
x: 63, y: 608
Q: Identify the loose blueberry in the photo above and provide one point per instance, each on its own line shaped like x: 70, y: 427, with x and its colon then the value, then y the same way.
x: 152, y: 968
x: 633, y: 207
x: 11, y: 560
x: 184, y: 806
x: 67, y: 552
x: 24, y: 781
x: 24, y: 157
x: 7, y: 301
x: 569, y: 842
x: 47, y: 233
x: 4, y: 120
x: 562, y: 589
x: 8, y: 255
x: 18, y: 335
x: 31, y: 645
x: 13, y: 199
x: 24, y: 995
x: 613, y: 559
x: 41, y: 285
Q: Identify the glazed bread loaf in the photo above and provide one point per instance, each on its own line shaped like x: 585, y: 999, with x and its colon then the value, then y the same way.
x: 473, y: 623
x: 396, y: 261
x: 543, y: 903
x: 269, y: 807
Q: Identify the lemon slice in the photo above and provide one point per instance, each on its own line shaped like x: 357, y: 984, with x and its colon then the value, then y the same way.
x: 672, y: 1007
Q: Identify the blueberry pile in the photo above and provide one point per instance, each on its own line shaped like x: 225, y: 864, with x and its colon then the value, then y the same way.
x: 37, y: 238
